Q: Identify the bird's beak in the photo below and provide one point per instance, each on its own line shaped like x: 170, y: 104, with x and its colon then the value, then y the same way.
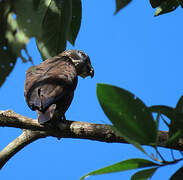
x: 88, y: 72
x: 91, y: 72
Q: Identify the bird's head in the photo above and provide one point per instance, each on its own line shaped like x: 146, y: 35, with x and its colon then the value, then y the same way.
x: 81, y: 61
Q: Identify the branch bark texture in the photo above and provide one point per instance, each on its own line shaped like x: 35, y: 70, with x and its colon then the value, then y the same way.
x: 32, y: 131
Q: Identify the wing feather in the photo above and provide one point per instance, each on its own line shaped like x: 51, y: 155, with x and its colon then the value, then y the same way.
x: 49, y: 83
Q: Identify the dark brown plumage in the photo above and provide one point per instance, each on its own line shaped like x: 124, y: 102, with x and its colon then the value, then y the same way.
x: 49, y: 87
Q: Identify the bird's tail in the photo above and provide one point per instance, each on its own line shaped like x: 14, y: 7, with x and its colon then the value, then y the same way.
x: 44, y: 117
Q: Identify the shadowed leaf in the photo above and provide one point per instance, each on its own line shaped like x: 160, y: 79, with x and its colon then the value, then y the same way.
x: 7, y: 63
x: 54, y: 28
x: 121, y: 4
x: 156, y: 3
x: 144, y: 174
x: 30, y: 21
x: 179, y: 105
x: 178, y: 174
x: 75, y: 21
x: 51, y: 22
x: 165, y: 110
x: 166, y: 6
x: 128, y: 113
x: 176, y: 119
x: 12, y: 40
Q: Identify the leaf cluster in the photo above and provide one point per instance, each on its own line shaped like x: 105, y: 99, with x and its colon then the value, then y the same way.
x: 51, y: 22
x: 134, y: 121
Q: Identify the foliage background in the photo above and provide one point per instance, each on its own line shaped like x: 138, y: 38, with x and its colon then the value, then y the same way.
x: 133, y: 50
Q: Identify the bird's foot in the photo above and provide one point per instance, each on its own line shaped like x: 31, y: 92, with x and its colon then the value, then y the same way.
x: 59, y: 123
x: 62, y: 123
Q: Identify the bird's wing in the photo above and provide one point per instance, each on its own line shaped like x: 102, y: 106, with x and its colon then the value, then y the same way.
x: 35, y: 73
x: 49, y: 82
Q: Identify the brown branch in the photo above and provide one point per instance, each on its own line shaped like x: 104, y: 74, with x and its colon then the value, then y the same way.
x: 68, y: 129
x: 19, y: 143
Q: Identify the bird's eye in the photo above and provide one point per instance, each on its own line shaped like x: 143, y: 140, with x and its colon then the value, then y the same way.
x: 82, y: 53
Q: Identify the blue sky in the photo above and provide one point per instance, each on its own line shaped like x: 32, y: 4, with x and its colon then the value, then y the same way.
x: 132, y: 50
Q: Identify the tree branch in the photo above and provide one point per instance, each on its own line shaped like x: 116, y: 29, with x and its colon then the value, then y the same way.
x: 19, y: 143
x: 69, y: 129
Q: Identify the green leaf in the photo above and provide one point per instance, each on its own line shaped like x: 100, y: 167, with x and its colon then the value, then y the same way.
x: 144, y: 174
x: 176, y: 122
x: 75, y: 21
x: 175, y: 129
x: 12, y: 40
x: 176, y: 125
x: 29, y: 22
x: 36, y: 4
x: 55, y: 27
x: 165, y: 110
x: 8, y: 58
x: 121, y: 4
x: 179, y: 105
x: 166, y: 6
x: 122, y: 166
x: 178, y: 174
x: 7, y: 64
x: 16, y: 37
x: 129, y: 114
x: 157, y: 121
x: 174, y: 136
x: 49, y: 21
x: 156, y: 3
x: 157, y: 127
